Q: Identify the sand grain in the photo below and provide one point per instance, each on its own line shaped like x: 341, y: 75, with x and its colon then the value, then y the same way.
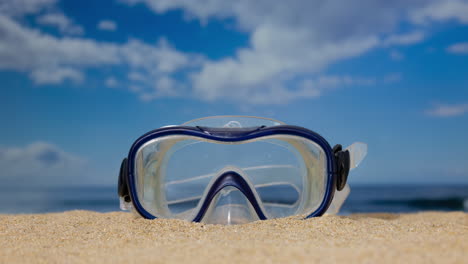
x: 83, y: 237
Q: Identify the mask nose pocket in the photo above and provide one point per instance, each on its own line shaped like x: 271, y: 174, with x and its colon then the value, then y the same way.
x: 230, y: 199
x: 230, y: 207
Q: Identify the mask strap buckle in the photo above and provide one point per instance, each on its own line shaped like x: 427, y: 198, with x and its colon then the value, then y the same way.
x: 342, y: 166
x: 125, y: 200
x: 346, y: 160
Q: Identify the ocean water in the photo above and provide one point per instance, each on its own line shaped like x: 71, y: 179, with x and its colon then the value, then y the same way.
x: 363, y: 199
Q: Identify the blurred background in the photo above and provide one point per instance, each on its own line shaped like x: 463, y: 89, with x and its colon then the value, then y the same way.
x: 81, y: 80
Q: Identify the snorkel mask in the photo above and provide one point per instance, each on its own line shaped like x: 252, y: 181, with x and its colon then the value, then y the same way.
x: 235, y: 169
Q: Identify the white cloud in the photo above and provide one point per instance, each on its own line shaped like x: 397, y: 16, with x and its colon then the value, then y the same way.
x: 151, y: 68
x: 448, y: 110
x: 63, y: 23
x: 441, y: 10
x: 163, y: 86
x: 51, y: 60
x: 107, y: 25
x: 271, y: 62
x: 24, y: 7
x: 458, y: 48
x: 56, y: 75
x: 293, y: 40
x: 162, y: 58
x: 290, y: 42
x: 40, y: 163
x: 25, y: 49
x: 46, y: 11
x: 404, y: 39
x: 311, y: 87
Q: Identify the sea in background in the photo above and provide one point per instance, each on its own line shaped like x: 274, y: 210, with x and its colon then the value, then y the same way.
x: 363, y: 199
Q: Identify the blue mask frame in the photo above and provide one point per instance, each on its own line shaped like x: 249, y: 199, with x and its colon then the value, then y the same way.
x: 337, y: 163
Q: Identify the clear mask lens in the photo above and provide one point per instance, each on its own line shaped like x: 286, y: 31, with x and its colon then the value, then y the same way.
x: 287, y: 174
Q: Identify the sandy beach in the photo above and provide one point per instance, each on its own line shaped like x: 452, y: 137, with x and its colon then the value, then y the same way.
x: 84, y: 237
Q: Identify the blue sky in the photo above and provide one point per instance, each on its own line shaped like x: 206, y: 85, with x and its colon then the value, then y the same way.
x: 81, y: 80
